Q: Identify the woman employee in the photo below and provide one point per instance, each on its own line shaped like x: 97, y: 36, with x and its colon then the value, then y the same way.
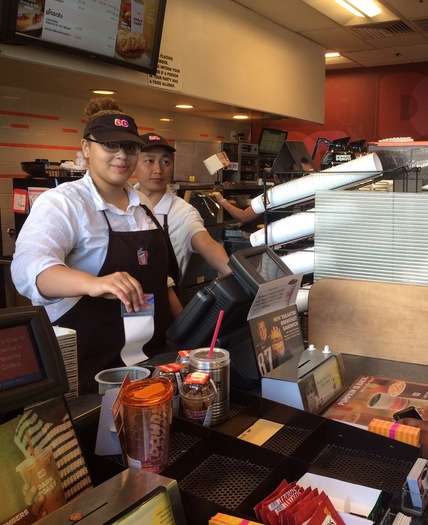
x: 88, y: 246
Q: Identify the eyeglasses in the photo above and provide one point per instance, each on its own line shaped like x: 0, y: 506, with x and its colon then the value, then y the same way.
x: 114, y: 147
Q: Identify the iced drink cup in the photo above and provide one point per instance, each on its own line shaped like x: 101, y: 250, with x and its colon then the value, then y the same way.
x: 147, y: 415
x: 39, y: 471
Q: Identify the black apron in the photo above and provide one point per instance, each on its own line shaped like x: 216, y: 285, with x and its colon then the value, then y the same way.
x: 98, y: 321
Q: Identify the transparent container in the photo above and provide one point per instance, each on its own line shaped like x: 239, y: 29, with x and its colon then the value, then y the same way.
x: 147, y: 416
x: 198, y: 394
x: 183, y: 358
x: 172, y: 371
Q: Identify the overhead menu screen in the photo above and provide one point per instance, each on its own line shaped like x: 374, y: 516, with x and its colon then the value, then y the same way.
x: 123, y: 31
x: 18, y: 360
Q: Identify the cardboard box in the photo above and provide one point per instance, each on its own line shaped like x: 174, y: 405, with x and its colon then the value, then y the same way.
x: 348, y: 498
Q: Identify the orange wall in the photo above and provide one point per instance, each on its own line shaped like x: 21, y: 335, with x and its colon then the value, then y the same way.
x: 371, y: 104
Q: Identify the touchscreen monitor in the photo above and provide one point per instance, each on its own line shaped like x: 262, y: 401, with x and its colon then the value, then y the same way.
x: 31, y: 364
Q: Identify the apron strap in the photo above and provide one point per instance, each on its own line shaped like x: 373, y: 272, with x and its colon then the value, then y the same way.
x: 174, y: 270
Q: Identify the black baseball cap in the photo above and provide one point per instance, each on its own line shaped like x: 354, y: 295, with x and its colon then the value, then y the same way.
x: 150, y: 140
x: 115, y: 127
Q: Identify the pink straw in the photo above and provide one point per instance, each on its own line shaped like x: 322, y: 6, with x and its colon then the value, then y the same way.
x: 217, y: 328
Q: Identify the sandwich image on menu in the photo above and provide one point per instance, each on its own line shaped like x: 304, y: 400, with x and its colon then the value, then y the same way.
x: 30, y: 16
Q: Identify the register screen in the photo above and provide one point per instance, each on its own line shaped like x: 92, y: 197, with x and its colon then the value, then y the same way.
x: 18, y: 359
x: 267, y: 268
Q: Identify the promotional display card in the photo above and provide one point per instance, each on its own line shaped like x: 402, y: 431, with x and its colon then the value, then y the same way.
x: 42, y: 465
x: 371, y: 397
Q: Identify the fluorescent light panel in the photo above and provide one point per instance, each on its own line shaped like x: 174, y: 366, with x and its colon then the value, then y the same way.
x: 360, y: 7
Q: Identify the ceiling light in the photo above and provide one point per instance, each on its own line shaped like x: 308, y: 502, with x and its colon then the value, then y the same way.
x: 240, y: 113
x: 361, y: 7
x: 333, y: 54
x: 103, y: 91
x: 184, y: 106
x: 165, y: 119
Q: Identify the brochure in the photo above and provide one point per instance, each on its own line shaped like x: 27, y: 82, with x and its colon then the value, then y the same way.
x: 371, y: 397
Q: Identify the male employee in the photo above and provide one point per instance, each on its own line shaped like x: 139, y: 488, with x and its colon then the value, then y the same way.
x: 182, y: 221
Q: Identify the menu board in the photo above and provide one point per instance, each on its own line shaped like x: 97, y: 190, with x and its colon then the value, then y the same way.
x: 124, y: 31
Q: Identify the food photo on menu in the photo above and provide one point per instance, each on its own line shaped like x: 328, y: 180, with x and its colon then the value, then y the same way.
x: 30, y: 16
x: 130, y: 40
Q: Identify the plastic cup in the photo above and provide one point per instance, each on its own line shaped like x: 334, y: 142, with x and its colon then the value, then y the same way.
x: 218, y: 366
x: 113, y: 377
x: 147, y: 415
x: 40, y: 471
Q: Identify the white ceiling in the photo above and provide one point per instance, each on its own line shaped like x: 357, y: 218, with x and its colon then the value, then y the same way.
x: 398, y: 36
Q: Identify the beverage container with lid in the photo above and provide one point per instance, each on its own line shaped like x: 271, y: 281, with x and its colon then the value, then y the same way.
x: 183, y: 358
x: 198, y: 394
x: 147, y: 415
x: 171, y: 371
x: 218, y: 366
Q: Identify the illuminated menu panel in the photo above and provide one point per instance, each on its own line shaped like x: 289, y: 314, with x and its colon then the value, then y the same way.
x: 127, y: 31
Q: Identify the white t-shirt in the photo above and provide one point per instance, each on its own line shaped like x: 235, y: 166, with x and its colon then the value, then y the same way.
x: 66, y: 226
x: 184, y: 220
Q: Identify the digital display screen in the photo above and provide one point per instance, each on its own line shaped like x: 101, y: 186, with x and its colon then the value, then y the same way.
x: 127, y: 32
x: 266, y: 267
x: 271, y: 140
x: 323, y: 384
x: 18, y: 360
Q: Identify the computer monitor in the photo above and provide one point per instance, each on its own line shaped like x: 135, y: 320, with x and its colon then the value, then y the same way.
x: 32, y: 368
x: 234, y: 294
x: 271, y: 140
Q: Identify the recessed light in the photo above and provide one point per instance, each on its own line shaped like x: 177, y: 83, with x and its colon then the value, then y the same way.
x: 334, y: 54
x: 184, y: 106
x: 165, y: 119
x: 103, y: 91
x: 241, y: 116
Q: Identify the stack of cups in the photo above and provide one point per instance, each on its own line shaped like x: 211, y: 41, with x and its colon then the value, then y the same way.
x: 147, y: 414
x: 218, y: 366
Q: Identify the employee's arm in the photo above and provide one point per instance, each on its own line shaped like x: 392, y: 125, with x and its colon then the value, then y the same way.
x: 61, y: 281
x: 174, y: 303
x: 246, y: 215
x: 212, y: 251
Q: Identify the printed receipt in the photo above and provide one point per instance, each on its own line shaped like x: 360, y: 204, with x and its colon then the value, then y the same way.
x: 139, y: 328
x: 260, y: 432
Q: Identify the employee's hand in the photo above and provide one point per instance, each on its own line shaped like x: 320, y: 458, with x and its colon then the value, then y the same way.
x: 219, y: 197
x: 423, y: 425
x: 61, y: 281
x: 120, y: 285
